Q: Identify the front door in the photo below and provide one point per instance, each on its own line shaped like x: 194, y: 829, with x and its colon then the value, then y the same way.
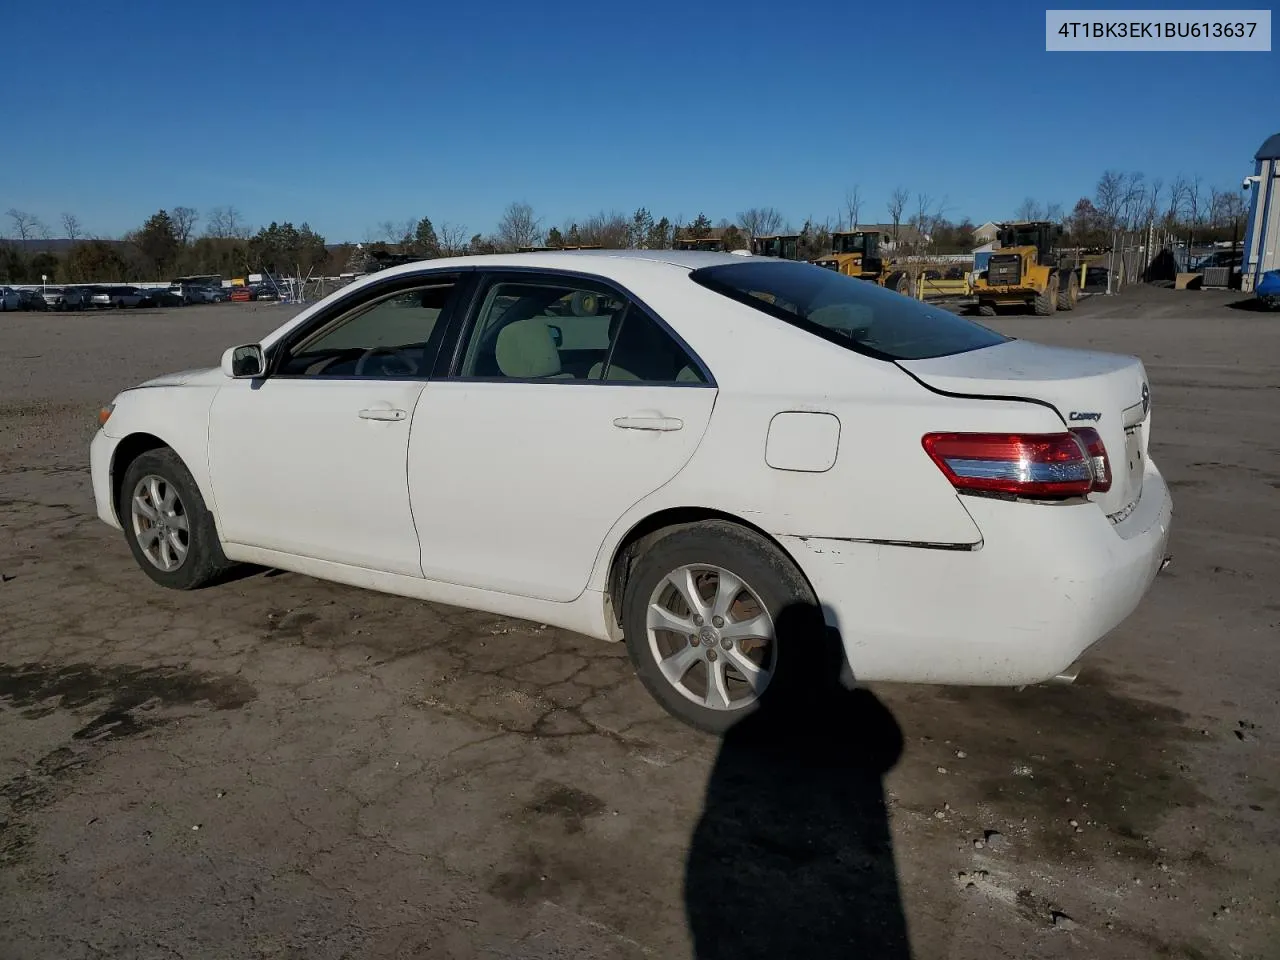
x: 311, y: 460
x: 571, y: 404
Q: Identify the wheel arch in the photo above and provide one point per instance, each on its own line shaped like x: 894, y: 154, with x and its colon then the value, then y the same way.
x: 138, y: 442
x: 650, y: 528
x: 127, y: 451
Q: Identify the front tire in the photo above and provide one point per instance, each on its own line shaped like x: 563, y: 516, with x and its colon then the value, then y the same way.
x: 166, y: 523
x: 1043, y: 305
x: 986, y: 309
x: 706, y: 612
x: 1069, y: 294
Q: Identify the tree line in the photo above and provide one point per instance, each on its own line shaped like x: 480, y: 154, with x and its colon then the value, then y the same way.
x: 180, y: 241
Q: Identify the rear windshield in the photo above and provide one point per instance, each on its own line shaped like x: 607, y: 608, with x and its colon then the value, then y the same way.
x: 845, y: 310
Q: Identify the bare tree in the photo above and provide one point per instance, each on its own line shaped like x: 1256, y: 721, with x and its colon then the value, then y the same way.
x: 1029, y: 209
x: 453, y: 239
x: 610, y: 230
x: 1054, y: 212
x: 928, y: 216
x: 71, y: 227
x: 1133, y: 194
x: 1177, y: 191
x: 1109, y: 198
x: 225, y: 223
x: 760, y: 222
x: 27, y: 225
x: 897, y: 204
x: 519, y: 227
x: 1193, y: 208
x: 1227, y: 212
x: 853, y: 206
x: 184, y: 223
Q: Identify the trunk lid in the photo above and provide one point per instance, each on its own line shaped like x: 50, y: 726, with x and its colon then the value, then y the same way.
x: 1105, y: 391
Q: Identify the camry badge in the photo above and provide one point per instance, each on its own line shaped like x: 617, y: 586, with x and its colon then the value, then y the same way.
x: 1077, y: 415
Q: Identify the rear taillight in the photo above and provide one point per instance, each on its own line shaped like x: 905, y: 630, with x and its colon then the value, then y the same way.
x: 1043, y: 465
x: 1098, y: 462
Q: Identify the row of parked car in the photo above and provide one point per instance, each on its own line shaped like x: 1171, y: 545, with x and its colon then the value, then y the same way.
x: 121, y: 296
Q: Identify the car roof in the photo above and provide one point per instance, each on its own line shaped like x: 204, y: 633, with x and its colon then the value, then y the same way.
x: 687, y: 260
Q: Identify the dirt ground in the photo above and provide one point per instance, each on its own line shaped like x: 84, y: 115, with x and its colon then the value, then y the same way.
x: 279, y: 767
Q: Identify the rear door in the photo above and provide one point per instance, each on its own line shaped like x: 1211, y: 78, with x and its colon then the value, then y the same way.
x: 567, y: 403
x: 1106, y: 391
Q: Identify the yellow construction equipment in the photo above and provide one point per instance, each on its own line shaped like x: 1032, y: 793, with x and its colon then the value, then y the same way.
x: 856, y: 253
x: 713, y: 244
x: 1025, y: 272
x: 784, y: 246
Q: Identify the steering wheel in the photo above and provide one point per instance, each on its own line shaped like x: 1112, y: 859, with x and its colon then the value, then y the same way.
x: 407, y: 365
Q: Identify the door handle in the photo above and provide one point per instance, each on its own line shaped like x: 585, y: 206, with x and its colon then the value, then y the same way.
x: 382, y: 413
x: 648, y: 423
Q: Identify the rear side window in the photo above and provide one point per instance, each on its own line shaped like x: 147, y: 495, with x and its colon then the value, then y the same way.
x: 845, y: 310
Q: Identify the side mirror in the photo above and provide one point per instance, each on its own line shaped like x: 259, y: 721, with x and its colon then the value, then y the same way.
x: 245, y: 362
x: 557, y: 336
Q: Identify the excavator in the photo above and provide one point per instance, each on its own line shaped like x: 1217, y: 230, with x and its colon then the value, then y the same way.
x: 1025, y: 272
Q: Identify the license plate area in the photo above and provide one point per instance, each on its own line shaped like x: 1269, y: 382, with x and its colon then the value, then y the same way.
x: 1133, y: 461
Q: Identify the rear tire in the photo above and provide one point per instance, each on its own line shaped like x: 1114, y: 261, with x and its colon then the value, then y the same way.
x: 698, y: 667
x: 1068, y: 295
x: 986, y: 309
x: 169, y: 529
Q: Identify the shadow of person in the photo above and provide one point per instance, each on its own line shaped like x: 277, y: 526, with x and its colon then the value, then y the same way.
x: 792, y: 856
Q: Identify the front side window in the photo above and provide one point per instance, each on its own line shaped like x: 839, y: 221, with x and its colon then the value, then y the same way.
x: 569, y: 330
x: 846, y: 310
x: 391, y: 336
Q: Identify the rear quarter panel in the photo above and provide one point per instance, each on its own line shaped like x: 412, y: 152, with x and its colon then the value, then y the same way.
x: 882, y: 486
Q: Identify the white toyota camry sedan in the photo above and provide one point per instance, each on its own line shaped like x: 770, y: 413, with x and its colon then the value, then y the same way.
x: 678, y: 450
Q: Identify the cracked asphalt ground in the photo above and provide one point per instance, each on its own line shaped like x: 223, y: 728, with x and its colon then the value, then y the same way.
x: 279, y: 767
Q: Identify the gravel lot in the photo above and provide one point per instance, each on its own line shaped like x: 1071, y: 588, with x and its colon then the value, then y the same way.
x: 279, y: 767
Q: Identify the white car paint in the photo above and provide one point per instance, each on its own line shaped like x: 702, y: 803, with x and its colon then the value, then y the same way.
x: 513, y: 497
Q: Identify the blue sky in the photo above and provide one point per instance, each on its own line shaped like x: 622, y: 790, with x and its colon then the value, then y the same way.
x: 357, y: 113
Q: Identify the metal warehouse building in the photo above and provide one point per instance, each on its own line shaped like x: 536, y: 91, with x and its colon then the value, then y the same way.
x: 1262, y: 237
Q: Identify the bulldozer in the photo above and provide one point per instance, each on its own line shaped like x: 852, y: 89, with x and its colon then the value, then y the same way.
x: 1025, y: 272
x: 784, y: 246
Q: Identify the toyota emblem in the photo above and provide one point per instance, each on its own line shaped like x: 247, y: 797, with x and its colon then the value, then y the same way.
x: 1146, y: 398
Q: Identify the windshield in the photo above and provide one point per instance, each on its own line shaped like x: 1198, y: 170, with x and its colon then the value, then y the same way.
x: 851, y: 243
x: 845, y: 310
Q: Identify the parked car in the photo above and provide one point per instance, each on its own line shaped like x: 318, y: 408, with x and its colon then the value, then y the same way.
x: 1268, y: 290
x: 118, y: 297
x: 32, y: 300
x: 78, y: 298
x: 720, y: 460
x: 162, y: 297
x: 9, y: 299
x: 52, y: 297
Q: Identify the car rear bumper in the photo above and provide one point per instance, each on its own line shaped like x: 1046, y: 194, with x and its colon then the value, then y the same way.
x: 101, y: 450
x: 1047, y: 582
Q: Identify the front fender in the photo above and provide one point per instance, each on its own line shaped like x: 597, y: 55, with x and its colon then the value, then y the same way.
x: 177, y: 416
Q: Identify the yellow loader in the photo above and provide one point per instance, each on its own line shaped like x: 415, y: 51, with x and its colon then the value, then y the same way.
x: 1024, y: 272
